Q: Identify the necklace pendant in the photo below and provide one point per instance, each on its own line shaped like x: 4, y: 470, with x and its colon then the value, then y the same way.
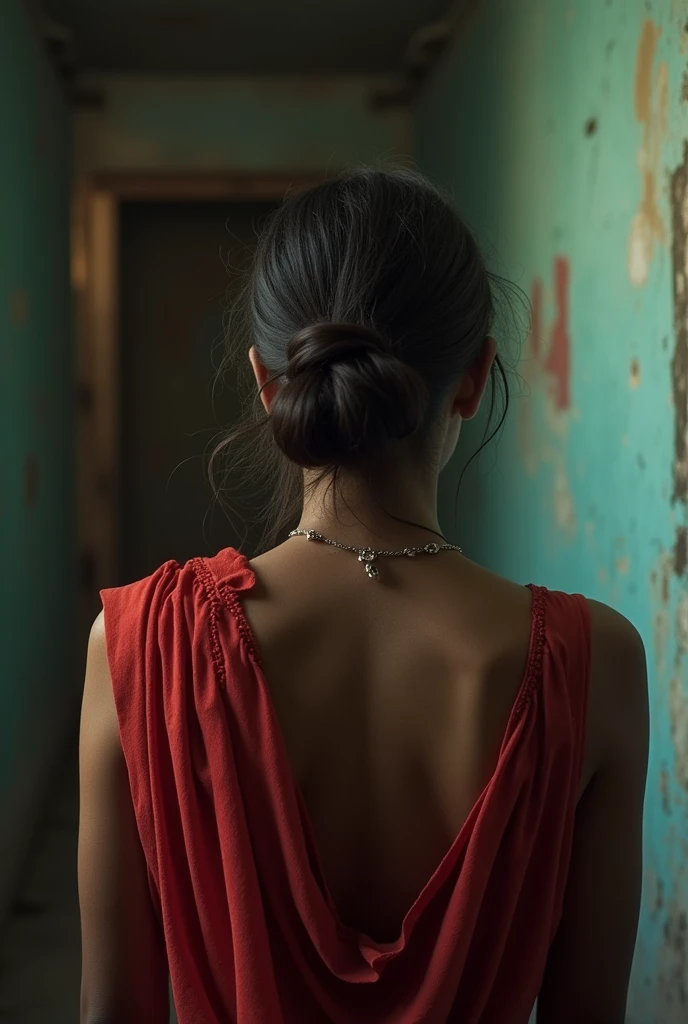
x: 372, y: 571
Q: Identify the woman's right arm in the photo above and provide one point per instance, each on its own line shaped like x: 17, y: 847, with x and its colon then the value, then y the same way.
x: 588, y: 969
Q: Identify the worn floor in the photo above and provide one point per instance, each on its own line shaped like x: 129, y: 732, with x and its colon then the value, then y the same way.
x: 40, y: 947
x: 40, y: 955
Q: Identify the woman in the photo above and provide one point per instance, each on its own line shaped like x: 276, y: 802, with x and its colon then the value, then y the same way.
x: 359, y: 778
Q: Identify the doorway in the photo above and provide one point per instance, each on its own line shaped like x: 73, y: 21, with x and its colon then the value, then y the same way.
x: 155, y: 261
x: 182, y: 265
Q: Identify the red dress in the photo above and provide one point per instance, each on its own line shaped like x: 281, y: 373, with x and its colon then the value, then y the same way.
x: 251, y: 930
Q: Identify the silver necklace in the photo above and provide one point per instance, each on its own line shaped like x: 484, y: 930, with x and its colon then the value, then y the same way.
x: 368, y: 556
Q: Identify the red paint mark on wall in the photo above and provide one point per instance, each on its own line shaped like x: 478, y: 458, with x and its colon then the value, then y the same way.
x: 31, y: 481
x: 536, y: 317
x: 558, y: 362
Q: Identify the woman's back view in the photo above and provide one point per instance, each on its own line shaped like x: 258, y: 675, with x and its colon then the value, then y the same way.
x: 353, y: 765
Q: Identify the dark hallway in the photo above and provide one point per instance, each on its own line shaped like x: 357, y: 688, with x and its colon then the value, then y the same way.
x: 143, y: 143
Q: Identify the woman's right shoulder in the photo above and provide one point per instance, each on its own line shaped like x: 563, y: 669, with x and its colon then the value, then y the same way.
x: 602, y: 899
x: 618, y: 654
x: 614, y: 631
x: 618, y: 713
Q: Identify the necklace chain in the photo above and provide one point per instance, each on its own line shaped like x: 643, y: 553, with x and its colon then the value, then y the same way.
x: 369, y: 555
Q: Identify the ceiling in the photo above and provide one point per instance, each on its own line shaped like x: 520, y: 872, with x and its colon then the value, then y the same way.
x: 243, y: 37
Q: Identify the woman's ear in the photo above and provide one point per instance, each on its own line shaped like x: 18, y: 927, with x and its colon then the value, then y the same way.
x: 473, y: 381
x: 262, y: 375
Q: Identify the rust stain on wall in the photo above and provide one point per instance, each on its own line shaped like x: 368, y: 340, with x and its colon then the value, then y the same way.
x: 679, y: 362
x: 31, y: 481
x: 558, y: 362
x: 643, y: 69
x: 651, y: 107
x: 634, y: 375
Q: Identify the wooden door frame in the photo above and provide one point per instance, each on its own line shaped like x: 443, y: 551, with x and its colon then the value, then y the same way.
x: 95, y: 276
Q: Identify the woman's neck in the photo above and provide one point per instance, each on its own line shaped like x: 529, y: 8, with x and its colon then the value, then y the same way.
x: 387, y: 510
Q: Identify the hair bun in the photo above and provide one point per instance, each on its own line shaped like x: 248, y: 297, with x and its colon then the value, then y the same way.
x: 344, y: 397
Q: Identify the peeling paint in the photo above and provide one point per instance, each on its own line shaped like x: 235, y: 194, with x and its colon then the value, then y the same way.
x: 673, y: 961
x: 664, y: 790
x: 651, y: 108
x: 634, y: 375
x: 643, y: 69
x: 660, y: 595
x: 553, y: 366
x: 682, y: 628
x: 659, y: 896
x: 681, y: 551
x: 678, y: 716
x: 679, y: 362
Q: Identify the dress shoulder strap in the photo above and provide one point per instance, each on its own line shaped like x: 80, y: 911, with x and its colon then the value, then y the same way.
x: 567, y: 657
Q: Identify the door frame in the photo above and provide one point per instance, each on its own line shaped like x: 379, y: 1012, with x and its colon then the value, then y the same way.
x: 95, y: 279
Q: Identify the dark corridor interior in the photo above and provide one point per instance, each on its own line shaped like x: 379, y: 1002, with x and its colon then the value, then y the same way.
x: 560, y: 128
x: 182, y: 266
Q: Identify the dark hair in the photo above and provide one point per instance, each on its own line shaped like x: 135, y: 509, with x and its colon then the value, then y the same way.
x: 367, y: 299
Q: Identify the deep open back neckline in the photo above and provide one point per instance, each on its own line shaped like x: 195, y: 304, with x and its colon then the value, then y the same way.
x: 242, y: 578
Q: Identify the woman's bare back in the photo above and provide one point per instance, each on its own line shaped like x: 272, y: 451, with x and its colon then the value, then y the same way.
x: 393, y: 700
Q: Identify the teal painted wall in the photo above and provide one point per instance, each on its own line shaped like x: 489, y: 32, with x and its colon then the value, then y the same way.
x: 562, y: 128
x: 241, y: 124
x: 37, y: 680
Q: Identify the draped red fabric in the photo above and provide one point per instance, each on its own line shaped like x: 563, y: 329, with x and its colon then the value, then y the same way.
x: 251, y: 930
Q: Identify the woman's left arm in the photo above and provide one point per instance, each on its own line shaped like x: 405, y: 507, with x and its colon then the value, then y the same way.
x: 124, y: 965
